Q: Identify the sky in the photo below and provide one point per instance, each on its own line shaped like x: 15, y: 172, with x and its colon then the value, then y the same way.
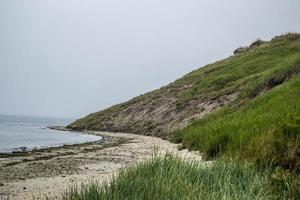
x: 64, y: 58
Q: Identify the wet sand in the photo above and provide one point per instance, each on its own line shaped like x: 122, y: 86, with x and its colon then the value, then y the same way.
x: 52, y: 171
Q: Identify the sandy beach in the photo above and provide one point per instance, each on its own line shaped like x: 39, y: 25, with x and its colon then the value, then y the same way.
x: 50, y: 172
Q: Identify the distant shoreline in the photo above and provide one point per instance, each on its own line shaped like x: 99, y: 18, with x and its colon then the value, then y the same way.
x: 60, y: 128
x: 23, y: 150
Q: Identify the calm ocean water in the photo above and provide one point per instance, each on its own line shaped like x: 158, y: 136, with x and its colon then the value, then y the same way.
x: 18, y: 133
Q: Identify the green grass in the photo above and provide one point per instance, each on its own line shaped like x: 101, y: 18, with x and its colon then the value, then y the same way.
x: 266, y: 129
x: 172, y: 178
x: 248, y: 73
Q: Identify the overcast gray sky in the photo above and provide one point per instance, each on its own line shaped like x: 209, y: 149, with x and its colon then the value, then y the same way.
x: 70, y: 58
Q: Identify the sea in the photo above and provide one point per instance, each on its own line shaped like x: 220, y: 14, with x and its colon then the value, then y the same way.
x: 23, y: 133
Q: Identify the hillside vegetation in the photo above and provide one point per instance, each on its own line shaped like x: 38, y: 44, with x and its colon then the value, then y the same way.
x: 233, y: 81
x: 266, y: 130
x: 242, y: 112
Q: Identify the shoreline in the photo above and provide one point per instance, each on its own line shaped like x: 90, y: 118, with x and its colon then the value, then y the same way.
x: 53, y: 171
x: 26, y: 150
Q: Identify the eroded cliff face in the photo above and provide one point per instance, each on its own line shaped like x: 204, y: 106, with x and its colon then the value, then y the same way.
x: 226, y: 82
x: 155, y: 113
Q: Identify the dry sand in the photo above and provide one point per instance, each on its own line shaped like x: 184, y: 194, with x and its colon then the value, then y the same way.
x: 52, y: 171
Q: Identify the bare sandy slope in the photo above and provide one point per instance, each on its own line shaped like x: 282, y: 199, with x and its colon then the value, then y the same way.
x: 51, y: 172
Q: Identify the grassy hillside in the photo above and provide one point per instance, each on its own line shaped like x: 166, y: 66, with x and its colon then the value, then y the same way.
x: 267, y: 129
x: 244, y: 113
x: 235, y: 80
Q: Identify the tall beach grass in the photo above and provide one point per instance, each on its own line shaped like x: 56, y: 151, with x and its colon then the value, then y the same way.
x: 172, y: 178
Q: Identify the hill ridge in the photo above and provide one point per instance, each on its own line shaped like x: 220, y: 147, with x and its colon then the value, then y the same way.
x: 234, y: 80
